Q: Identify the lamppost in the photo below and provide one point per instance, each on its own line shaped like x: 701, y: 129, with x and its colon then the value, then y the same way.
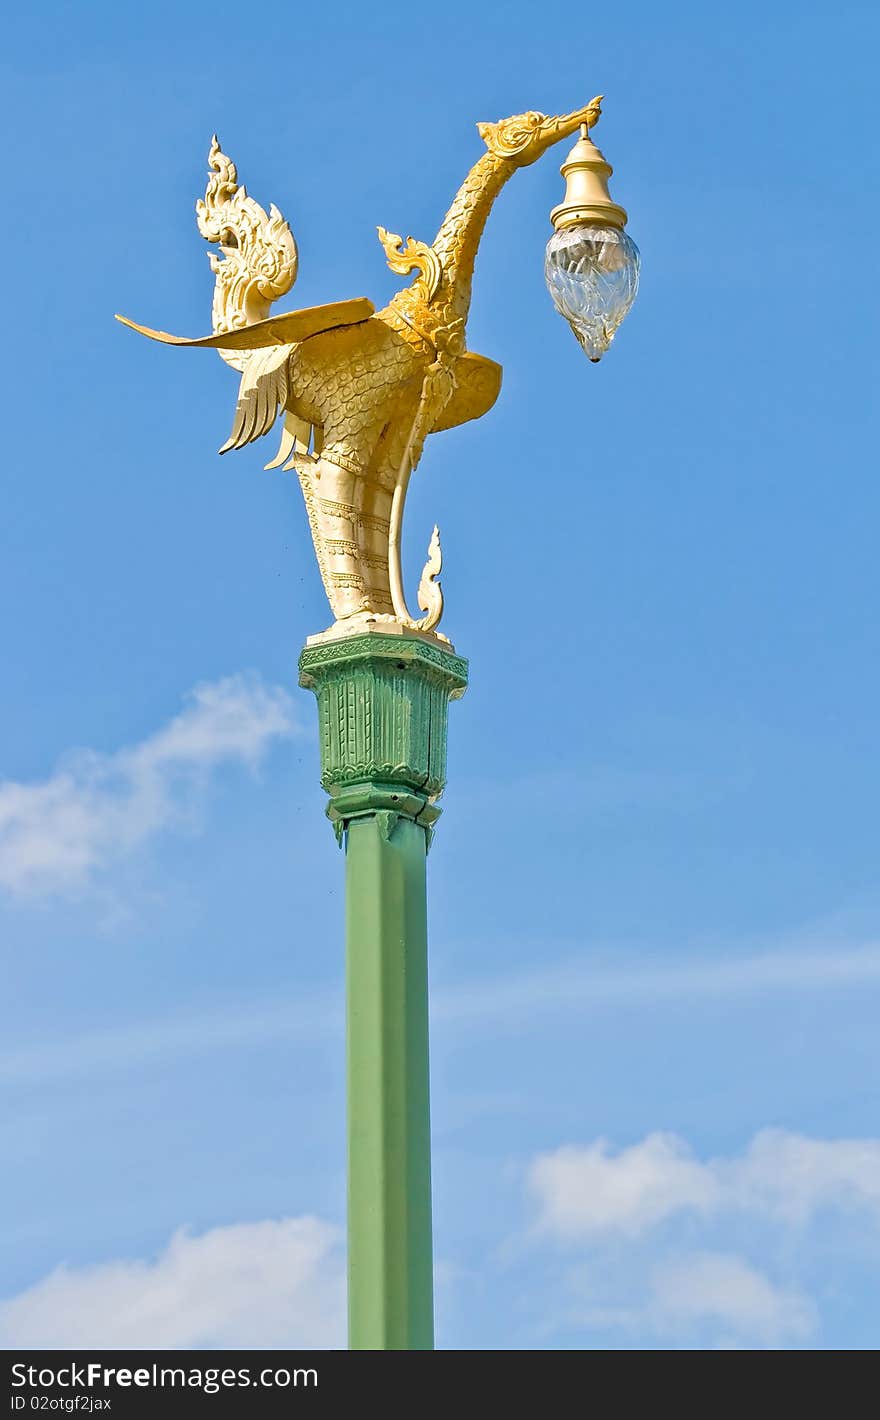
x: 359, y: 391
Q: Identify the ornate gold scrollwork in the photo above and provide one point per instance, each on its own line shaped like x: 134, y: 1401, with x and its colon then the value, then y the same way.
x: 410, y: 255
x: 259, y: 258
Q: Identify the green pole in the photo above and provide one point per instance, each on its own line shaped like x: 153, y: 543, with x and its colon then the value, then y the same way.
x: 382, y: 711
x: 389, y: 1142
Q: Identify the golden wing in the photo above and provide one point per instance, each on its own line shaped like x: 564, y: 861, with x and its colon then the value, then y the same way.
x: 269, y: 343
x: 287, y: 329
x: 477, y: 386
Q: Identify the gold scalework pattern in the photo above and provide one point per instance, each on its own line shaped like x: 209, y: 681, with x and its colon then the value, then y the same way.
x: 359, y: 389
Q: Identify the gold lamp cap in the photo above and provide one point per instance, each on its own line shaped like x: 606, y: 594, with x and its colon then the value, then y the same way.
x: 587, y: 199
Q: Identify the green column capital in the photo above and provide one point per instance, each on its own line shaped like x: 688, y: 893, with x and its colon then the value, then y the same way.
x: 383, y: 703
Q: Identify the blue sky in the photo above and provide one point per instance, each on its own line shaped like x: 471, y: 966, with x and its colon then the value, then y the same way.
x: 654, y: 895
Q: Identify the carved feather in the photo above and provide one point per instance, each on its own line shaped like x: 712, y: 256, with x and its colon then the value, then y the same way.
x: 295, y: 438
x: 263, y: 391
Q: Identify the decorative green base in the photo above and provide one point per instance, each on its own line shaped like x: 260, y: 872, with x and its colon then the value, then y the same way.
x: 382, y: 707
x: 382, y: 713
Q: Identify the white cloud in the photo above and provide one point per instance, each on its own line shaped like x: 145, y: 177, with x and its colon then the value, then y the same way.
x: 724, y: 1290
x: 96, y: 808
x: 626, y: 1222
x: 529, y: 999
x: 792, y: 1178
x: 581, y: 1191
x: 310, y: 1015
x: 587, y: 1191
x: 520, y: 1002
x: 250, y: 1285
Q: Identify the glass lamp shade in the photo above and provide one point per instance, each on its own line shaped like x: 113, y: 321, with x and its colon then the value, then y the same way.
x: 592, y: 273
